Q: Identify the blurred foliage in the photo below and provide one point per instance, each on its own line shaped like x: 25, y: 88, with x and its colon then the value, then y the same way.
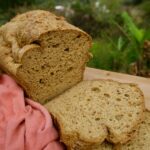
x: 125, y: 53
x: 10, y: 8
x: 120, y: 29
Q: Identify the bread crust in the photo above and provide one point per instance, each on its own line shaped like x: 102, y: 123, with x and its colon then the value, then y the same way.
x: 29, y: 27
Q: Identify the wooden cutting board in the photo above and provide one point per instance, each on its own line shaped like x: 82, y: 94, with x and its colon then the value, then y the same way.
x: 143, y: 83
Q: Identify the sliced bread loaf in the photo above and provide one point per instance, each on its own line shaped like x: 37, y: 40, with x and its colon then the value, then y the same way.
x: 93, y: 111
x: 142, y: 140
x: 44, y: 53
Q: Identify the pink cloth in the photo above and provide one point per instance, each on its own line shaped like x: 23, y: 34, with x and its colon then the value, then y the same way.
x: 24, y: 124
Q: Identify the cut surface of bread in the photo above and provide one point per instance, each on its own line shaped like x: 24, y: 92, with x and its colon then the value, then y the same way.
x: 44, y: 53
x: 93, y: 111
x: 142, y: 140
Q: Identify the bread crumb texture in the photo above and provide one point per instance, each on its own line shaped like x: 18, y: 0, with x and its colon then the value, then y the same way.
x: 93, y: 111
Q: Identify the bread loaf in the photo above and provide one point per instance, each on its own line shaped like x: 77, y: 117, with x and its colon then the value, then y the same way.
x: 142, y: 140
x: 45, y: 54
x: 93, y: 111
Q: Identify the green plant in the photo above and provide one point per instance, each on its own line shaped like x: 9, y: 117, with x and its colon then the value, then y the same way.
x: 124, y: 52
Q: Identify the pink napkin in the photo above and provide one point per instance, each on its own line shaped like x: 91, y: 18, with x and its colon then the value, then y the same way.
x: 24, y: 124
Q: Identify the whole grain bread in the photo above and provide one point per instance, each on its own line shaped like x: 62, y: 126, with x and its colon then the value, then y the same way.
x: 142, y: 140
x: 93, y: 111
x: 45, y: 54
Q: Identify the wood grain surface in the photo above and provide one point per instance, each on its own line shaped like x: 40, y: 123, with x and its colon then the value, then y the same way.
x: 143, y: 83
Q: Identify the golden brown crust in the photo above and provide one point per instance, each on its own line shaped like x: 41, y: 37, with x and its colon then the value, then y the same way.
x: 27, y: 28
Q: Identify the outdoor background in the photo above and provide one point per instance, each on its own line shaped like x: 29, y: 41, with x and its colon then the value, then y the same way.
x: 120, y: 29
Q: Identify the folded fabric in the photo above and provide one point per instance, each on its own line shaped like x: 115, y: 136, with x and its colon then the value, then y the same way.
x: 24, y: 124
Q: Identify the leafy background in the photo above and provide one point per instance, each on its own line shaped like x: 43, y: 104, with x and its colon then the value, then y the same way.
x: 120, y: 29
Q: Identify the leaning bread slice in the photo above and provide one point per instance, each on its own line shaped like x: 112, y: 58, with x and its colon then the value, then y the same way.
x: 93, y: 111
x: 44, y: 53
x: 142, y: 140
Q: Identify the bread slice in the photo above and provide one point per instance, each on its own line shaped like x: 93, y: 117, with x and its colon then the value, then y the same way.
x: 142, y: 140
x: 93, y: 111
x: 44, y: 53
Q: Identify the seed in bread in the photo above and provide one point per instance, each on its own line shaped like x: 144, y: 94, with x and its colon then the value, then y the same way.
x: 93, y: 111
